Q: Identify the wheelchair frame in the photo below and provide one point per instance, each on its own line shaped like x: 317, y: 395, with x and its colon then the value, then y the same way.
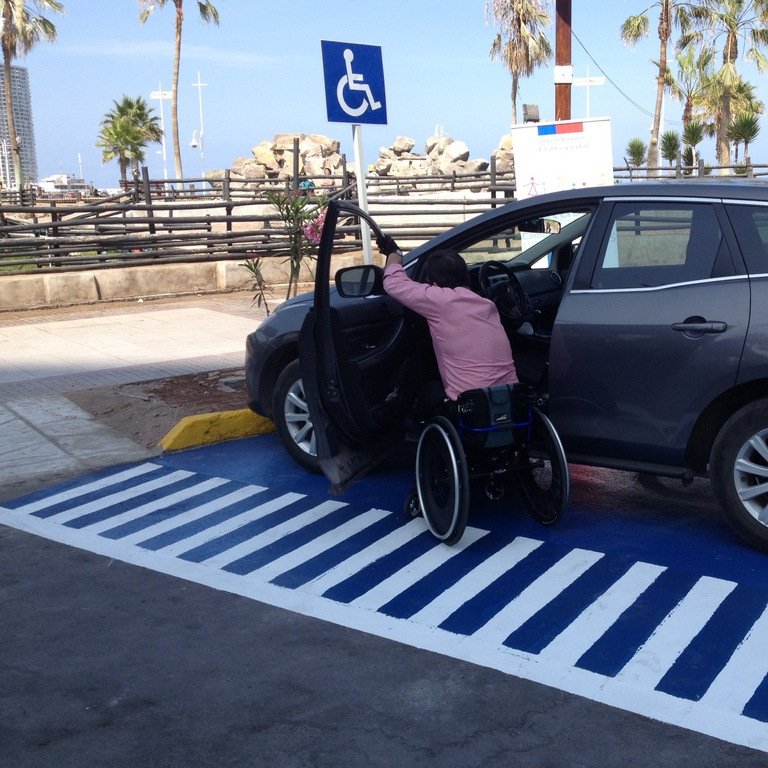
x: 521, y: 444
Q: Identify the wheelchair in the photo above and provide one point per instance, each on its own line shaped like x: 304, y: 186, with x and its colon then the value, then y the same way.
x: 499, y: 435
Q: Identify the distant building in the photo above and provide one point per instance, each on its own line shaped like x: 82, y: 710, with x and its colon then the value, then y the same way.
x: 64, y: 185
x: 25, y: 129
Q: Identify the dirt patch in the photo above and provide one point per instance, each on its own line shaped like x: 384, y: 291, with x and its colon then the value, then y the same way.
x: 146, y: 411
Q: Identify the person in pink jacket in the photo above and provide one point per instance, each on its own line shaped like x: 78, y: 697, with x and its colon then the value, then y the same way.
x: 471, y: 346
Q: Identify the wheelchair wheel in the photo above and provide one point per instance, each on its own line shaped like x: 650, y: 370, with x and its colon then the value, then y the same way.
x: 545, y: 482
x: 442, y: 480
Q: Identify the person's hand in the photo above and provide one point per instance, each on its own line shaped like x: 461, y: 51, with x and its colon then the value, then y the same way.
x: 386, y: 244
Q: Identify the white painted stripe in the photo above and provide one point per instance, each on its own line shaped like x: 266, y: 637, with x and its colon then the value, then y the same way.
x: 417, y: 569
x: 738, y: 680
x: 215, y: 531
x: 193, y: 513
x: 82, y: 490
x: 111, y: 500
x: 373, y: 552
x: 584, y: 631
x: 320, y: 544
x: 275, y: 533
x: 475, y: 581
x: 722, y: 724
x: 537, y: 595
x: 152, y: 506
x: 681, y: 625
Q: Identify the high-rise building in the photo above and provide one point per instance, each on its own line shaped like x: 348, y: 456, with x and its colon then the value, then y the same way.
x: 25, y: 129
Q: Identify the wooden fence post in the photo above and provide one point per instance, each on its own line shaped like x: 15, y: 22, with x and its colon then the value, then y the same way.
x: 148, y: 198
x: 295, y: 180
x: 227, y: 191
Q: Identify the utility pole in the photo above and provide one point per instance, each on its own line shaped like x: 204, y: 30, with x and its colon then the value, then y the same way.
x: 563, y: 65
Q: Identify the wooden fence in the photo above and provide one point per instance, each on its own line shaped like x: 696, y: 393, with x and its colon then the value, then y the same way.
x: 226, y: 219
x: 230, y: 218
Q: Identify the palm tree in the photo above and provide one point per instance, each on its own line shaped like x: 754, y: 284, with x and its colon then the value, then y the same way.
x: 520, y: 42
x: 125, y: 132
x: 23, y: 27
x: 729, y: 22
x: 670, y: 146
x: 637, y: 154
x: 120, y: 140
x: 208, y: 13
x: 708, y: 106
x: 671, y: 13
x: 693, y: 69
x: 693, y: 135
x: 743, y: 129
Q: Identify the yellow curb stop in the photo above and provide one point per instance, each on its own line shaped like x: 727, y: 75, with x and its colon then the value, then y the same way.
x: 209, y: 428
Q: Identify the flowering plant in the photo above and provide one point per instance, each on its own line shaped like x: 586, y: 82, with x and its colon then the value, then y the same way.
x: 314, y: 229
x: 299, y: 214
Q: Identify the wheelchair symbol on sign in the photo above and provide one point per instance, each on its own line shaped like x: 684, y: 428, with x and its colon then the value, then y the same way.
x: 354, y: 83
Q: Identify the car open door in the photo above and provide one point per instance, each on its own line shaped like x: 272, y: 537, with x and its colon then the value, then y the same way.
x: 353, y: 354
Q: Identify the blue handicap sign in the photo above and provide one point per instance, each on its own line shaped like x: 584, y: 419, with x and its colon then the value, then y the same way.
x: 354, y: 83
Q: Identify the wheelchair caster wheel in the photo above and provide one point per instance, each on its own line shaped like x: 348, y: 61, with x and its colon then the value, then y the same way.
x: 494, y: 490
x: 411, y: 508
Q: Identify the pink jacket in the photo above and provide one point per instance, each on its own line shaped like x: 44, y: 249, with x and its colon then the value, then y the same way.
x: 471, y: 346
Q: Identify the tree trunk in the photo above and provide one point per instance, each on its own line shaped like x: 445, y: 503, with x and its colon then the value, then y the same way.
x: 664, y: 32
x: 175, y: 91
x: 723, y: 145
x: 515, y: 82
x: 14, y: 139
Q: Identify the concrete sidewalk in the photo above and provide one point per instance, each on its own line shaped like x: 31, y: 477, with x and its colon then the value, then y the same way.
x: 45, y: 354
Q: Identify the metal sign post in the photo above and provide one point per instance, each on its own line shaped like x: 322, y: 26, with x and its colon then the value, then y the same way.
x: 354, y: 93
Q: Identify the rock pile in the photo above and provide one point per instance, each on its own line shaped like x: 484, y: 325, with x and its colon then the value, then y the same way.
x: 443, y: 156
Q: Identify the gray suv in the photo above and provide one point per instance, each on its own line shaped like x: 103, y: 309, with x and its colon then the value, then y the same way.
x: 641, y: 310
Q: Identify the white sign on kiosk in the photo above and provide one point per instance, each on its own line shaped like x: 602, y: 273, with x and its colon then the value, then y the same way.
x: 567, y: 154
x: 354, y: 93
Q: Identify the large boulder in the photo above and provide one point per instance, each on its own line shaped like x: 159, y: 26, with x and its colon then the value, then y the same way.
x: 443, y: 156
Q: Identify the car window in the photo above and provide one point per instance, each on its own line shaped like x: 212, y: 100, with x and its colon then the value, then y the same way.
x: 653, y: 244
x: 751, y: 225
x: 532, y: 240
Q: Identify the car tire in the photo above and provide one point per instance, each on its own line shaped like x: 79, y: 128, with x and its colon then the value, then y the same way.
x: 739, y: 472
x: 290, y: 414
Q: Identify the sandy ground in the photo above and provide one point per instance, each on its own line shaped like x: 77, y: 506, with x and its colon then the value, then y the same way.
x: 146, y: 411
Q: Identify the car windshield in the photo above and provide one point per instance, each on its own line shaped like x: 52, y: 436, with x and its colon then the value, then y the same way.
x: 530, y: 240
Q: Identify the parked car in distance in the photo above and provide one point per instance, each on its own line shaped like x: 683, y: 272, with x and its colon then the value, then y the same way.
x: 643, y: 308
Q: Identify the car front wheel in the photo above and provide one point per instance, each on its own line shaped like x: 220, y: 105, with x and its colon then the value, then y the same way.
x: 293, y: 423
x: 739, y: 472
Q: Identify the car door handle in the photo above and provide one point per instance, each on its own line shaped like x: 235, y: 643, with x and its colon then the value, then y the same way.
x: 700, y: 327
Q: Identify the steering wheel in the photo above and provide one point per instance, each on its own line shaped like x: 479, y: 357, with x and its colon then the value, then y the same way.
x: 508, y: 295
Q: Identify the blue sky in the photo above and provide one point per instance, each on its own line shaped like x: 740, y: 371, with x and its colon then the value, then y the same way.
x: 263, y: 73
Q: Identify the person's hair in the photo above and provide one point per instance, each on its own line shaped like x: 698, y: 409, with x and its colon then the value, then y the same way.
x: 447, y: 269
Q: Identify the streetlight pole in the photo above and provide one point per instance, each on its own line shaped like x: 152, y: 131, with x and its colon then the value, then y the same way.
x: 161, y: 95
x: 200, y: 85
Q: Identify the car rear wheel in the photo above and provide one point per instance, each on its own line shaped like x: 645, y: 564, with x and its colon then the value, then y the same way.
x: 739, y: 472
x: 293, y: 423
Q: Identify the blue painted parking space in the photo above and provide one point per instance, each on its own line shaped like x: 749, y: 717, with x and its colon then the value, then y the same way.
x: 640, y: 600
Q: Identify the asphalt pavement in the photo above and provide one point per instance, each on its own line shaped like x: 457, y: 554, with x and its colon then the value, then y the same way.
x: 105, y: 663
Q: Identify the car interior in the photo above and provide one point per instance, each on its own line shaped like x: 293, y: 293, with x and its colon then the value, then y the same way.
x: 523, y: 269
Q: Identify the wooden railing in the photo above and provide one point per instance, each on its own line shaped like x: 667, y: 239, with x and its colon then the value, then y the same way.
x: 157, y: 221
x: 230, y: 218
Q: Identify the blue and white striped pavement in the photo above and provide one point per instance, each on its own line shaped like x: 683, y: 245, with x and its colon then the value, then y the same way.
x: 664, y: 639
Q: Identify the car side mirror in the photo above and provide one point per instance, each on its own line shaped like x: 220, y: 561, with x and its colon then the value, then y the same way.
x: 357, y: 282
